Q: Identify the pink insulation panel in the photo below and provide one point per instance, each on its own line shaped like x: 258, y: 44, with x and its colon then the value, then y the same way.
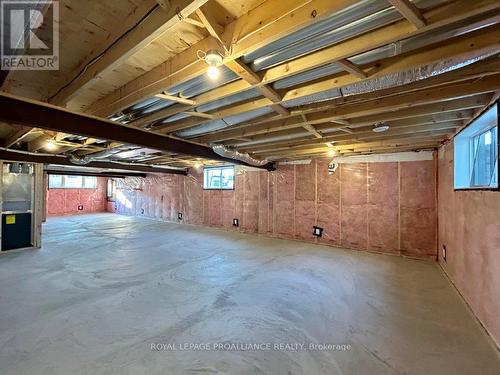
x: 383, y: 207
x: 418, y: 208
x: 227, y: 208
x: 192, y: 196
x: 66, y: 201
x: 354, y: 208
x: 470, y: 230
x: 214, y: 207
x: 328, y: 204
x: 305, y: 197
x: 263, y: 224
x: 285, y: 201
x: 251, y: 188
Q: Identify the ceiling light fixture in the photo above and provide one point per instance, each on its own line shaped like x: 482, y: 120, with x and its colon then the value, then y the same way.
x: 214, y: 59
x: 380, y: 127
x: 50, y: 145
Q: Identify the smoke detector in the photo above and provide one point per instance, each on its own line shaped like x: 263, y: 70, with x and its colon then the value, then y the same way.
x: 380, y: 127
x: 213, y: 58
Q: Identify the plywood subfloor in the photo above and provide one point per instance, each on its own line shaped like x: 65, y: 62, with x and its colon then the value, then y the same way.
x: 104, y: 288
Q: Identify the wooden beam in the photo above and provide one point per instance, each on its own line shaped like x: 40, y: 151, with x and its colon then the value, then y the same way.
x: 200, y: 114
x: 262, y: 25
x: 243, y: 71
x: 194, y: 22
x: 158, y: 22
x: 311, y: 129
x: 337, y: 51
x: 443, y: 122
x: 407, y: 139
x: 176, y: 99
x: 431, y: 113
x: 280, y: 109
x: 184, y: 66
x: 165, y: 4
x: 459, y: 49
x: 187, y: 123
x: 207, y: 18
x: 410, y: 12
x: 373, y: 107
x: 351, y: 68
x: 361, y: 136
x: 248, y: 75
x: 40, y: 115
x: 17, y: 136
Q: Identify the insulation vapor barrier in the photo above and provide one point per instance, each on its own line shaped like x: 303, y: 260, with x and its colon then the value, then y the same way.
x: 412, y: 75
x: 358, y: 207
x: 66, y: 201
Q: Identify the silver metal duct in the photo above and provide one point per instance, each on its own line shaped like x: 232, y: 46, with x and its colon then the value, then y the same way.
x: 415, y: 74
x: 332, y: 37
x: 83, y: 160
x: 224, y: 151
x: 309, y: 38
x: 223, y: 123
x: 118, y: 163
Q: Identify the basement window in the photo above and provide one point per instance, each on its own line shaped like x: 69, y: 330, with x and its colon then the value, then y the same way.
x: 218, y: 178
x: 57, y: 181
x: 476, y: 153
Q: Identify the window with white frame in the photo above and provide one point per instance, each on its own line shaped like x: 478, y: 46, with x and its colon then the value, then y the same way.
x: 57, y: 181
x: 476, y: 153
x: 218, y: 178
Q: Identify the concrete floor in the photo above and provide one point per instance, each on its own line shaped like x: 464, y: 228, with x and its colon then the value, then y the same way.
x: 104, y: 288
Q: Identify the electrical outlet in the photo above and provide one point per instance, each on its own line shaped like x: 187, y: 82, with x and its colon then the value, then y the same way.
x: 179, y: 216
x: 317, y: 231
x: 80, y: 208
x: 142, y: 211
x: 443, y: 252
x: 236, y: 223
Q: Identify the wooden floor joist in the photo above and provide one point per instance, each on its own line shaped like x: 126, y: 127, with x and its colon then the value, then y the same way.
x: 448, y: 14
x: 424, y: 74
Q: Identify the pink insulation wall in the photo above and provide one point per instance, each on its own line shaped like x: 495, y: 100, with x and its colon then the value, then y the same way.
x: 66, y: 201
x: 383, y: 207
x: 470, y: 230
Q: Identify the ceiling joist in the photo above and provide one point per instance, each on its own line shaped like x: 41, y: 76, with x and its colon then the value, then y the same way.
x: 410, y: 12
x: 158, y: 22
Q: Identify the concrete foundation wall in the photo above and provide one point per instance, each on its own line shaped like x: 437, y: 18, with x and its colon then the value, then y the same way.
x: 66, y: 201
x: 383, y: 207
x: 469, y: 227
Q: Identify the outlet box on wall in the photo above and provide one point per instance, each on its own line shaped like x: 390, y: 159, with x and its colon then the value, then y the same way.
x: 236, y: 223
x: 317, y: 231
x: 80, y: 207
x: 179, y: 216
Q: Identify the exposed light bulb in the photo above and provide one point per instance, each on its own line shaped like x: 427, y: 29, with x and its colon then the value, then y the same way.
x: 213, y: 72
x: 50, y: 145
